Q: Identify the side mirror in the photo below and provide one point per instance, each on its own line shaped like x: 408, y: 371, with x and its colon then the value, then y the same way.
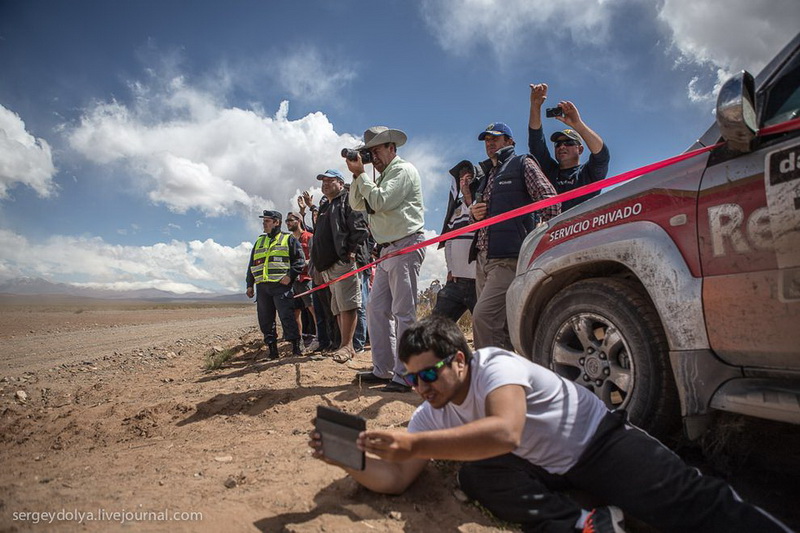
x: 736, y: 115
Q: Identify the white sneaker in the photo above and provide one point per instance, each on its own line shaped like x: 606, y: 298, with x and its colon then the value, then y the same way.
x: 313, y: 347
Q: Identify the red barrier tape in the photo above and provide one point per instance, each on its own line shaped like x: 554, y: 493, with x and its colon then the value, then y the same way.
x: 783, y: 127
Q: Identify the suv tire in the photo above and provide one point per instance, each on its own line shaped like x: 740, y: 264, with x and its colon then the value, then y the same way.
x: 605, y: 334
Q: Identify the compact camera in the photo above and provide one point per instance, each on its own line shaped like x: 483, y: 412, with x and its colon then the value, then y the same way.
x: 551, y: 112
x: 352, y: 155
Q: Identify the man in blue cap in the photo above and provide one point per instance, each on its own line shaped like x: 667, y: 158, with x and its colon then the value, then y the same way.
x: 511, y: 181
x: 275, y: 262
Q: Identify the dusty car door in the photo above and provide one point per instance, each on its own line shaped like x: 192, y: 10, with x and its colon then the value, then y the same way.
x: 749, y: 236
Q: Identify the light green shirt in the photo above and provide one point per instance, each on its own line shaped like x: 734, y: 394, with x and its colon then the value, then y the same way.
x: 395, y: 199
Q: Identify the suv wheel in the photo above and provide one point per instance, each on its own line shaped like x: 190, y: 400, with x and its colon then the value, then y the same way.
x: 604, y: 334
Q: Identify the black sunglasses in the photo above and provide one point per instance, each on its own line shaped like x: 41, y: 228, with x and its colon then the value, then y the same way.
x: 428, y: 375
x: 566, y: 143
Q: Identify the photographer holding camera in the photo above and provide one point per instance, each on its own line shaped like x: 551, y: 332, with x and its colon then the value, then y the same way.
x: 565, y: 171
x: 393, y: 202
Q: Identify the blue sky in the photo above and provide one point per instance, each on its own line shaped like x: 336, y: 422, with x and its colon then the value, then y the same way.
x: 139, y: 140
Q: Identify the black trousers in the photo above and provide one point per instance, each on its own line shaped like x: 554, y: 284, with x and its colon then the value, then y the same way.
x: 622, y: 466
x: 272, y: 298
x: 456, y: 298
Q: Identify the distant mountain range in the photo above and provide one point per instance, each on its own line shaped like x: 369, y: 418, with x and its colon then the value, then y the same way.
x: 39, y: 286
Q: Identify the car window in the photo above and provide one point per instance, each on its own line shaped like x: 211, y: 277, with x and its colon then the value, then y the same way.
x: 783, y: 97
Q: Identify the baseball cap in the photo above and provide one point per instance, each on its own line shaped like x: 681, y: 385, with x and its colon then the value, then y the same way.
x: 569, y: 134
x: 271, y: 214
x: 331, y: 173
x: 496, y: 129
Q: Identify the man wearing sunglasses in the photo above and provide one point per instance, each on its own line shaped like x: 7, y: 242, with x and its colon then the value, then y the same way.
x: 565, y: 171
x: 525, y: 435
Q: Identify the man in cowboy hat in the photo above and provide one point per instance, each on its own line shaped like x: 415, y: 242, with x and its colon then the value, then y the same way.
x: 512, y: 181
x: 393, y: 202
x: 275, y: 262
x: 565, y: 171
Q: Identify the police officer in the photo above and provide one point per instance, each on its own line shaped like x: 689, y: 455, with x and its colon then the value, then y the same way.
x: 275, y: 261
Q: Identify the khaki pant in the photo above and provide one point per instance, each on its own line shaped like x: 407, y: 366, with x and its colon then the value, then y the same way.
x: 492, y: 279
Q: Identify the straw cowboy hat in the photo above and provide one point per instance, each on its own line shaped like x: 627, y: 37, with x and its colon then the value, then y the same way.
x: 377, y: 135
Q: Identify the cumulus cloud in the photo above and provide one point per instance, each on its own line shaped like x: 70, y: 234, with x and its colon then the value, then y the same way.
x: 460, y: 26
x: 194, y: 266
x: 24, y: 159
x: 725, y: 36
x: 187, y: 150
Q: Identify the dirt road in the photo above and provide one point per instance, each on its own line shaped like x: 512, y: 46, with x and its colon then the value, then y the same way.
x: 106, y: 409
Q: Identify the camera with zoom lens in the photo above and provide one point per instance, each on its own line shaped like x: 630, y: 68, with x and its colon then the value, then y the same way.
x: 352, y: 155
x: 551, y: 112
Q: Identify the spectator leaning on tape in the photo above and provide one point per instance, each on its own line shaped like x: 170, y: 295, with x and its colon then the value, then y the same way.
x: 511, y: 181
x: 565, y: 171
x: 340, y: 235
x: 275, y: 262
x: 393, y: 202
x: 458, y: 294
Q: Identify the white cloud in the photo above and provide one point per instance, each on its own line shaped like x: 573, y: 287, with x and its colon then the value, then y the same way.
x: 309, y: 73
x: 23, y: 158
x: 188, y: 151
x: 462, y: 25
x: 194, y: 266
x: 434, y: 265
x: 732, y: 34
x: 726, y: 36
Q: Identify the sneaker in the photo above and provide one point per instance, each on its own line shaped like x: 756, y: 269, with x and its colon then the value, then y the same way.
x: 313, y: 347
x: 605, y: 520
x: 368, y: 377
x: 394, y: 386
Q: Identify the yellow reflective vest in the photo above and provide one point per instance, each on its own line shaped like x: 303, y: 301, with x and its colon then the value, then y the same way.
x: 271, y: 258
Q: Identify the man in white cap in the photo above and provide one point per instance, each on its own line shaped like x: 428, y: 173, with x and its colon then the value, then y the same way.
x: 393, y: 202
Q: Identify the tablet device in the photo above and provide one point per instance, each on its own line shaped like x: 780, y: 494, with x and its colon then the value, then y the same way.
x: 339, y: 431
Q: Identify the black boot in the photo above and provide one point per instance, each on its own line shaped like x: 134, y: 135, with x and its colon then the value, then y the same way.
x: 273, y: 350
x: 296, y: 348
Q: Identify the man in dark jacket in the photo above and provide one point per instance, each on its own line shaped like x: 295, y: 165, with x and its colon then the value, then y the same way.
x: 512, y: 181
x: 565, y: 171
x: 339, y: 237
x: 275, y: 262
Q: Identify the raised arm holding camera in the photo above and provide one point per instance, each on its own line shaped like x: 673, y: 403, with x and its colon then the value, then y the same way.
x: 565, y: 171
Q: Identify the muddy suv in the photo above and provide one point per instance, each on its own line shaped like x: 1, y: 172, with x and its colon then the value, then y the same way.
x: 677, y: 294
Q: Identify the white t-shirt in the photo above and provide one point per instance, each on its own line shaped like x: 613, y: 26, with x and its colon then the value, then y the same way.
x: 561, y: 420
x: 456, y: 249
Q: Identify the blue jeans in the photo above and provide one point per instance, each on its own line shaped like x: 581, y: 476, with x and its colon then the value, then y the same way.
x: 361, y: 335
x: 322, y: 308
